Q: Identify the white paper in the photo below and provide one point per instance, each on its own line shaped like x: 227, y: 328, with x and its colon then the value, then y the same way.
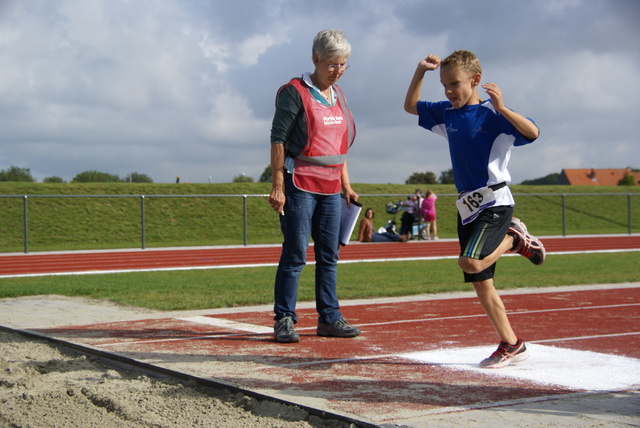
x: 350, y: 216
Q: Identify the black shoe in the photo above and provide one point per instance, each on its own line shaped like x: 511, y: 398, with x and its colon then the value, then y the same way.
x: 340, y: 328
x: 284, y: 332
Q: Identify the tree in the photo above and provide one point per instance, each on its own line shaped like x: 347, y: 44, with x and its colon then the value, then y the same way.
x: 135, y: 177
x: 266, y: 176
x: 95, y: 177
x: 446, y: 177
x: 552, y: 178
x: 242, y: 178
x: 53, y: 179
x: 627, y: 180
x: 421, y: 178
x: 14, y: 173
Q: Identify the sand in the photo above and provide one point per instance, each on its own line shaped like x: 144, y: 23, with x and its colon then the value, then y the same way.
x: 45, y: 385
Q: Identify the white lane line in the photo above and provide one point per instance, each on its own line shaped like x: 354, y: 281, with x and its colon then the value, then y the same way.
x: 214, y: 322
x: 258, y: 329
x: 597, y: 336
x: 510, y: 313
x: 253, y: 265
x: 229, y: 324
x: 568, y: 368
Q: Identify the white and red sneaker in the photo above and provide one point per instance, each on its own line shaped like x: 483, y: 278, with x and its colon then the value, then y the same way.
x: 506, y: 354
x: 526, y: 244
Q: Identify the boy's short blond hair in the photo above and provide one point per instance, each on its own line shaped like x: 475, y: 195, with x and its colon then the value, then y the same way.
x: 466, y: 60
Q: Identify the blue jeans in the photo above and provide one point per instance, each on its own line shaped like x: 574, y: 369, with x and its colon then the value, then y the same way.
x: 384, y: 237
x: 318, y: 216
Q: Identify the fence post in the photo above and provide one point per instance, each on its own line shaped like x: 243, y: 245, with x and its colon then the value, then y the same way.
x: 244, y: 215
x: 564, y: 214
x: 629, y: 215
x: 25, y: 218
x: 142, y: 219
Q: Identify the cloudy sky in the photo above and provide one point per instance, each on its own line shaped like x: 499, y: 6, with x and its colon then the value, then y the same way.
x: 186, y: 87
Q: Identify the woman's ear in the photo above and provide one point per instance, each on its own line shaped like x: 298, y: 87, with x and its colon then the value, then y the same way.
x: 316, y: 60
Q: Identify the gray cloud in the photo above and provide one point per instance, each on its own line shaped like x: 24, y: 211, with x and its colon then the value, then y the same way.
x: 172, y: 88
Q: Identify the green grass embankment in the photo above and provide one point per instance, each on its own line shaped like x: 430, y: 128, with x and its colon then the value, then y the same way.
x: 107, y: 220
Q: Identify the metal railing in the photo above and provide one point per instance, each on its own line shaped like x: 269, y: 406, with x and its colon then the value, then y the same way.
x: 245, y: 197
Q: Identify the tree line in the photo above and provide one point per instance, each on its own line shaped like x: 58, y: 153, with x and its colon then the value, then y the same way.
x: 446, y: 177
x: 14, y: 173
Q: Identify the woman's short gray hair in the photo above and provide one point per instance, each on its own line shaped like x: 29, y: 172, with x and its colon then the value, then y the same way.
x: 331, y: 44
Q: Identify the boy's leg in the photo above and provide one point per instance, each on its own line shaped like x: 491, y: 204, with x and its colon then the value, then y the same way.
x: 495, y: 310
x: 485, y: 240
x: 482, y: 242
x: 511, y: 349
x: 471, y: 265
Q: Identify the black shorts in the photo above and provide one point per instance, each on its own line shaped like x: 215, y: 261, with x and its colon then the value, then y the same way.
x: 482, y: 236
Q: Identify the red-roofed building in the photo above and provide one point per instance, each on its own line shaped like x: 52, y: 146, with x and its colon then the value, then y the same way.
x: 596, y: 177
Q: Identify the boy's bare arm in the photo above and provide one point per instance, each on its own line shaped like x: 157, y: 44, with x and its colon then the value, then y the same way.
x: 525, y: 126
x: 431, y: 62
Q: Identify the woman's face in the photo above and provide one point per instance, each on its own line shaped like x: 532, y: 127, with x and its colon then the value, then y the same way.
x: 329, y: 72
x: 369, y: 213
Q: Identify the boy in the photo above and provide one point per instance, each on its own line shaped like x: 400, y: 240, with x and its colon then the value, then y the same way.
x: 480, y: 135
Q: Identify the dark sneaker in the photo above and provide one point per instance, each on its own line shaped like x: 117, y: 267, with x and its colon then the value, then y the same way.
x: 284, y: 332
x: 340, y: 328
x: 526, y: 244
x: 506, y: 354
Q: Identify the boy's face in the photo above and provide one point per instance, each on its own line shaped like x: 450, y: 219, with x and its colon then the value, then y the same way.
x: 460, y: 87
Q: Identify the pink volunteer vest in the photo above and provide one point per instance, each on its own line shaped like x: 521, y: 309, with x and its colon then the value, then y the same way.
x: 330, y: 133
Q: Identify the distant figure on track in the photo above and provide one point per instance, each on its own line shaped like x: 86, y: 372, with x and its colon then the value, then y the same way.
x: 366, y: 233
x: 428, y: 214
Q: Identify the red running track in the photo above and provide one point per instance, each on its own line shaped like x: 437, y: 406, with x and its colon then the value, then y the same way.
x: 413, y: 360
x: 149, y: 259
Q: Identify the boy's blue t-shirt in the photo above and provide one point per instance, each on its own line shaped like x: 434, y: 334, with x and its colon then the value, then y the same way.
x: 480, y: 141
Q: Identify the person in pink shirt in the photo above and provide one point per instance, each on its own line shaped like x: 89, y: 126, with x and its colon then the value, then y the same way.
x: 428, y: 214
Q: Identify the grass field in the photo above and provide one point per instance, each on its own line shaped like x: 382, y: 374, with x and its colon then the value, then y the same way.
x: 74, y: 216
x: 215, y: 288
x: 108, y: 215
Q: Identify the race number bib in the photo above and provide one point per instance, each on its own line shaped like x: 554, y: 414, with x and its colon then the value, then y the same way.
x: 471, y: 204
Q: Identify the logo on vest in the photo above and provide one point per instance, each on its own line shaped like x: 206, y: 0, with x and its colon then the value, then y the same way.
x: 333, y: 120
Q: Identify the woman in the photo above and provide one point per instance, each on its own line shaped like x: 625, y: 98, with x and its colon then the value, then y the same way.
x: 309, y: 171
x: 428, y: 214
x: 366, y: 233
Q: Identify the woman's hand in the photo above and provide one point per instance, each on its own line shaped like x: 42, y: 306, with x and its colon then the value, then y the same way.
x: 350, y: 195
x: 277, y: 200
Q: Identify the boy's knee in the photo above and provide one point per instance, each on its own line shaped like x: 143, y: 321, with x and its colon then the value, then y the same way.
x: 469, y: 265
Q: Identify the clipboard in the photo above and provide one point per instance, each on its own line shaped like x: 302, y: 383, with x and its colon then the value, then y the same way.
x: 349, y: 219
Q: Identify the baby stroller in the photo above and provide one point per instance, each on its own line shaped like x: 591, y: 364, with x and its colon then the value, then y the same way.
x: 392, y: 208
x: 418, y: 230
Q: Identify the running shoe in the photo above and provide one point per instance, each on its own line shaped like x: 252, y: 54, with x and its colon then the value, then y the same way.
x: 526, y: 244
x: 506, y: 354
x: 284, y: 332
x: 339, y: 328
